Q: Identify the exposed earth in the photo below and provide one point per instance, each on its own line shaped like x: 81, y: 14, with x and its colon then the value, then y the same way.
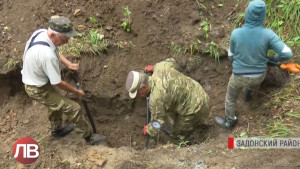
x: 159, y: 29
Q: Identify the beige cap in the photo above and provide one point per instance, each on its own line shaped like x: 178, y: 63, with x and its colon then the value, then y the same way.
x: 133, y: 83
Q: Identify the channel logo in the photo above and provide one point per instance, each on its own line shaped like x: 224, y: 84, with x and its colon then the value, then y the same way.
x: 26, y: 150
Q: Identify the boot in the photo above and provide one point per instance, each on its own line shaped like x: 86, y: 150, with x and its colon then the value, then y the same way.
x: 95, y: 139
x: 226, y: 122
x: 247, y: 95
x: 166, y: 129
x: 63, y: 131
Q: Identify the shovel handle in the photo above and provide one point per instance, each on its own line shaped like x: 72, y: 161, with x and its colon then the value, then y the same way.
x: 87, y: 110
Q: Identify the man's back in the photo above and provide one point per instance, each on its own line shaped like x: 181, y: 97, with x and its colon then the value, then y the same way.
x: 40, y: 62
x: 175, y: 92
x: 250, y: 44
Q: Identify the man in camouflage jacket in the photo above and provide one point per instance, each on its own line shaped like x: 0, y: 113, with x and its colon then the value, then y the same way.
x: 175, y: 99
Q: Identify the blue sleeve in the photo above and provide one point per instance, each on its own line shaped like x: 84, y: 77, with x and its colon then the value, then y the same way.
x: 283, y: 52
x: 231, y: 50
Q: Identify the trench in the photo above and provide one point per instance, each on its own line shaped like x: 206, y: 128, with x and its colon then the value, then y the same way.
x: 122, y: 119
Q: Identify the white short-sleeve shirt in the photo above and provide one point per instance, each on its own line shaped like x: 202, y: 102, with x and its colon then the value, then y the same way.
x: 41, y: 63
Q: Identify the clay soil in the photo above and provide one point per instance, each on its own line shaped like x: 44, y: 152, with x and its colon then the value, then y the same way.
x: 156, y: 25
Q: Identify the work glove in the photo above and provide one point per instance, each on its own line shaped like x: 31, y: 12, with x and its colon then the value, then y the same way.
x: 145, y: 129
x: 148, y: 69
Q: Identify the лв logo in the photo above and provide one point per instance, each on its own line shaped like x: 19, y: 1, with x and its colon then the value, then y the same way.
x: 26, y: 150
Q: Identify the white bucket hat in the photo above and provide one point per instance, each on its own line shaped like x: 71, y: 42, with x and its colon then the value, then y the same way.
x: 132, y: 83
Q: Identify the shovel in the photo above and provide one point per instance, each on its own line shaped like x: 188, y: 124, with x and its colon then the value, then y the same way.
x: 87, y: 110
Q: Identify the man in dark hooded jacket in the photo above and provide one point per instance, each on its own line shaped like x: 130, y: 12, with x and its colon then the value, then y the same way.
x: 248, y: 50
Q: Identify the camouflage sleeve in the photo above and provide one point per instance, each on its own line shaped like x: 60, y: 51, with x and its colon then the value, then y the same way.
x: 166, y: 64
x: 157, y: 109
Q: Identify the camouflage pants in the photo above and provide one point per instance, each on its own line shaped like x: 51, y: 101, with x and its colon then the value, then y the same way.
x: 183, y: 126
x: 235, y: 85
x: 58, y: 105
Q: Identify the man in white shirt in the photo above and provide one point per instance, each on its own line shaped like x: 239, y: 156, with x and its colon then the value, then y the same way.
x: 41, y: 75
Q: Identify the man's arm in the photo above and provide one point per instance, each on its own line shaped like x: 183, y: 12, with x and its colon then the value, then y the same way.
x: 283, y: 52
x: 231, y: 46
x: 68, y: 64
x: 158, y: 113
x: 67, y: 87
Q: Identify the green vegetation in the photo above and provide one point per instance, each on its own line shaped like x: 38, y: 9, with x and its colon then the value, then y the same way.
x: 182, y: 143
x: 206, y: 27
x: 280, y: 128
x: 94, y: 42
x: 283, y: 16
x: 10, y: 63
x: 177, y: 49
x: 195, y: 48
x: 285, y: 94
x: 282, y: 112
x: 127, y: 25
x: 213, y: 51
x: 239, y: 20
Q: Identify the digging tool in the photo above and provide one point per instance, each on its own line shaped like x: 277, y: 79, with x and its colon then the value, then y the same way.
x: 291, y: 67
x: 76, y: 79
x: 147, y: 122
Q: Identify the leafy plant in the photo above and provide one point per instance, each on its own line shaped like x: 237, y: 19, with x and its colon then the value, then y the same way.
x: 177, y: 49
x: 194, y: 47
x: 94, y: 42
x: 127, y: 25
x: 10, y: 63
x: 213, y: 51
x: 93, y: 19
x: 99, y: 44
x: 205, y: 26
x: 182, y: 143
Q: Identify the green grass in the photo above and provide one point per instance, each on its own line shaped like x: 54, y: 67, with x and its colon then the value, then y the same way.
x: 182, y: 143
x: 177, y: 49
x: 283, y: 95
x: 282, y: 112
x: 239, y: 20
x: 11, y: 63
x: 279, y: 128
x: 283, y: 16
x: 92, y: 41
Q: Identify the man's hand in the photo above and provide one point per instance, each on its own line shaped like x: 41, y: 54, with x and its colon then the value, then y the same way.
x: 73, y: 66
x: 67, y: 87
x: 148, y: 69
x: 145, y: 129
x: 68, y: 64
x: 80, y: 94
